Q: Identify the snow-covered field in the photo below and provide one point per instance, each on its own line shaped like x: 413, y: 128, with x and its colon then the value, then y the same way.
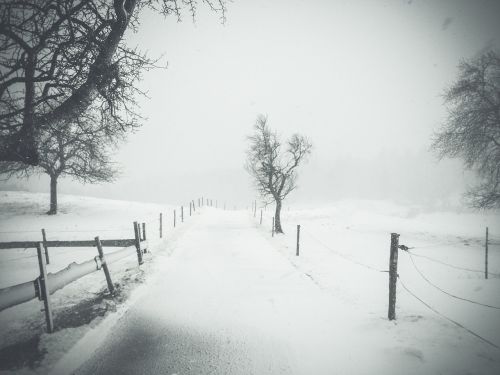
x: 236, y: 300
x: 22, y: 216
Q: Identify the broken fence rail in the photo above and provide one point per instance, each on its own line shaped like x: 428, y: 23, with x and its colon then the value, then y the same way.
x: 29, y: 290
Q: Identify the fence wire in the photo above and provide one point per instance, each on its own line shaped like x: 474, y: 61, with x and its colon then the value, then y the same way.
x: 446, y: 317
x: 451, y: 265
x: 340, y: 254
x: 444, y: 291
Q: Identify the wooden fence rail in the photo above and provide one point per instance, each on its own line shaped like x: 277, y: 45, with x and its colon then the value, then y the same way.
x: 24, y: 292
x: 91, y: 243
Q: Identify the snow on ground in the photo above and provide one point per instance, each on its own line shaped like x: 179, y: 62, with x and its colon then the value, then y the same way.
x: 79, y: 306
x: 344, y: 248
x: 221, y: 295
x: 22, y: 216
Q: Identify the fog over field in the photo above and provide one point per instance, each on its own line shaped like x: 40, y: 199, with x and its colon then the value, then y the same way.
x: 362, y: 79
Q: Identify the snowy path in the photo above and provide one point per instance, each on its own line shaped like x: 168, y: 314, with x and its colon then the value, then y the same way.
x: 227, y: 303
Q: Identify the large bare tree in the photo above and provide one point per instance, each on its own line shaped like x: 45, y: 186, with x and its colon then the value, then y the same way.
x: 57, y: 57
x: 273, y: 165
x: 472, y: 130
x: 81, y: 150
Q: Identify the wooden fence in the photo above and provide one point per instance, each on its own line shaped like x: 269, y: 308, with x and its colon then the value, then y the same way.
x: 46, y: 284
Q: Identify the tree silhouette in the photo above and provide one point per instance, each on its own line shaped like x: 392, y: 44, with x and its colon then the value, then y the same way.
x: 273, y: 167
x: 58, y: 57
x: 472, y: 130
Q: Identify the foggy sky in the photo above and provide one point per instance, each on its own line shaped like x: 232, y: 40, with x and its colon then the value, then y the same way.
x: 362, y: 79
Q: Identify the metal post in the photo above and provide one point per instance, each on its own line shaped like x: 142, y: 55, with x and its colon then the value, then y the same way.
x: 104, y: 266
x: 393, y: 275
x: 44, y: 289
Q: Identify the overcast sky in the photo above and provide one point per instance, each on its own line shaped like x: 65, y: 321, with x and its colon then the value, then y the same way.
x: 362, y: 79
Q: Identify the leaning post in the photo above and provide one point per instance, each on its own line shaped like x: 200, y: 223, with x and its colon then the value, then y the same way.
x: 104, y: 265
x: 138, y: 242
x: 45, y: 247
x: 44, y: 289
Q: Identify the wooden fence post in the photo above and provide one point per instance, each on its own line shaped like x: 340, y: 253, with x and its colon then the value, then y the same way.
x: 194, y: 206
x: 393, y: 275
x: 189, y: 208
x: 261, y: 216
x: 175, y: 218
x: 272, y: 229
x: 182, y: 214
x: 44, y: 289
x: 137, y: 233
x: 161, y: 225
x: 104, y: 266
x: 45, y: 247
x: 486, y: 255
x: 144, y: 234
x: 298, y: 240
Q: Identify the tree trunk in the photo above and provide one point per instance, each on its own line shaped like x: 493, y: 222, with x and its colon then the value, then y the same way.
x: 53, y: 195
x: 277, y: 219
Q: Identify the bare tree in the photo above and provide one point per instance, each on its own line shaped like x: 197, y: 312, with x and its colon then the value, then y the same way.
x: 273, y: 167
x: 80, y: 151
x: 472, y: 130
x: 57, y: 57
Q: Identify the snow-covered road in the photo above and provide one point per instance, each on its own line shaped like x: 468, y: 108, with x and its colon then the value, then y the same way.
x: 227, y: 303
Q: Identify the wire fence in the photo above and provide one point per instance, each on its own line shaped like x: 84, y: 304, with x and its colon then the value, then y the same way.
x: 444, y: 291
x: 343, y: 256
x: 421, y: 274
x: 446, y: 317
x: 450, y: 265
